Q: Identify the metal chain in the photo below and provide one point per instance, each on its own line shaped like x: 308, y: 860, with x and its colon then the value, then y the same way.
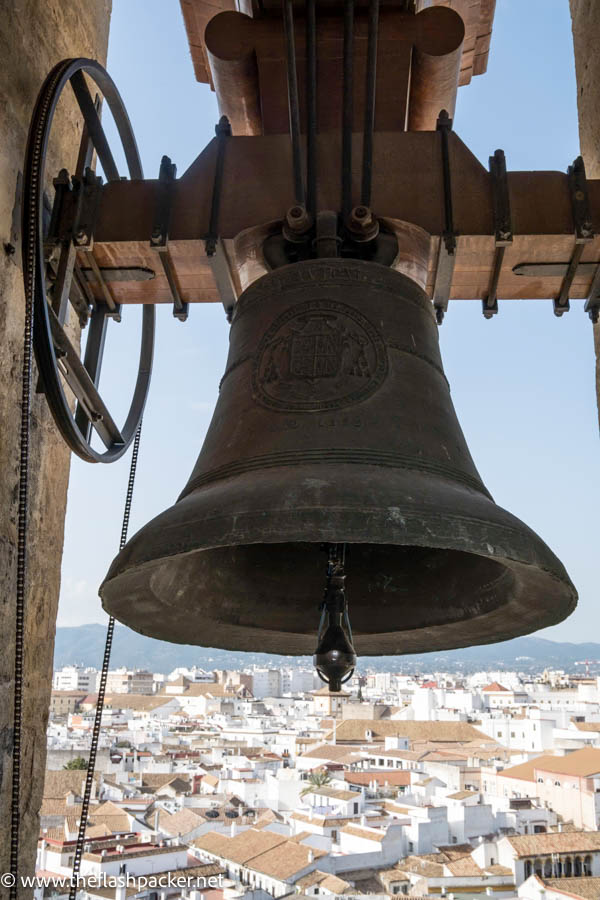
x: 23, y: 507
x: 31, y: 193
x: 89, y: 778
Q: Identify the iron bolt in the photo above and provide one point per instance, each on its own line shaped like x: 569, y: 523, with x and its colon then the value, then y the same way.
x: 297, y: 220
x: 362, y: 224
x: 81, y: 237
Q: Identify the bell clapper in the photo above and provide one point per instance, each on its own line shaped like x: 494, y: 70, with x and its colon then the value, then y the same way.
x: 334, y: 657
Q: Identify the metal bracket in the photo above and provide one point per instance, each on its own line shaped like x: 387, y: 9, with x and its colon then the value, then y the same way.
x: 221, y: 270
x: 86, y: 212
x: 159, y: 240
x: 212, y: 244
x: 592, y: 304
x: 584, y: 230
x: 447, y: 252
x: 503, y: 229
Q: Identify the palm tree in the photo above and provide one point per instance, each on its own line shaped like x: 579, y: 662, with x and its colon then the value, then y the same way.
x: 317, y: 779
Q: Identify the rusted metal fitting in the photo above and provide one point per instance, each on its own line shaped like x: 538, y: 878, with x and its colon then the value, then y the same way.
x: 362, y: 224
x: 297, y: 224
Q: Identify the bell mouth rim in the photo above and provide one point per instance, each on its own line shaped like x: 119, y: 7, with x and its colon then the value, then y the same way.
x: 511, y: 617
x: 303, y: 505
x: 506, y: 621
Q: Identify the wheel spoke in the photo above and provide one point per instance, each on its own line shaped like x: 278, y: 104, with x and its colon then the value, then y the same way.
x: 108, y: 297
x: 94, y: 126
x: 64, y: 276
x: 84, y: 389
x: 86, y: 146
x: 92, y: 361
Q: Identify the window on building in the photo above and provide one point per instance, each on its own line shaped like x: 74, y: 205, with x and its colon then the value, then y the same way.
x: 512, y: 734
x: 411, y: 847
x: 355, y: 808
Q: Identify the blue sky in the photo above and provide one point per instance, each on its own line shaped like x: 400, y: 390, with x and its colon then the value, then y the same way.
x: 522, y: 384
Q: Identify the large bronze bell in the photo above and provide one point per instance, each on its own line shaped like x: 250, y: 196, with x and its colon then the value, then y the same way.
x: 335, y: 424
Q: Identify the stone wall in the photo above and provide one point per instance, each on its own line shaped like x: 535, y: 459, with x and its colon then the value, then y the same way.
x: 586, y: 39
x: 33, y: 37
x: 58, y: 759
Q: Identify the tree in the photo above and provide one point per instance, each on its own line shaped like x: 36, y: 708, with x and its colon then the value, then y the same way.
x: 316, y: 780
x: 77, y: 763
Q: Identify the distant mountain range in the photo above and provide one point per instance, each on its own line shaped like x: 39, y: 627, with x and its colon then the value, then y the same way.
x: 85, y: 645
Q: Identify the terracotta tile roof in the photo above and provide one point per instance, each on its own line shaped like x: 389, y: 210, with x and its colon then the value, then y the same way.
x: 97, y: 831
x: 587, y: 888
x: 418, y: 865
x: 285, y: 860
x: 181, y: 822
x: 136, y: 702
x: 582, y: 763
x: 587, y: 726
x: 252, y: 843
x: 157, y: 780
x: 213, y: 842
x: 363, y: 833
x: 494, y: 688
x: 242, y: 848
x: 557, y: 842
x: 111, y: 815
x: 498, y: 870
x: 58, y: 783
x: 325, y: 821
x: 380, y: 776
x: 52, y: 807
x: 326, y: 882
x: 525, y: 771
x: 461, y: 795
x: 333, y: 752
x: 464, y: 867
x: 442, y: 732
x: 449, y: 852
x: 267, y: 817
x: 53, y: 834
x: 334, y: 793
